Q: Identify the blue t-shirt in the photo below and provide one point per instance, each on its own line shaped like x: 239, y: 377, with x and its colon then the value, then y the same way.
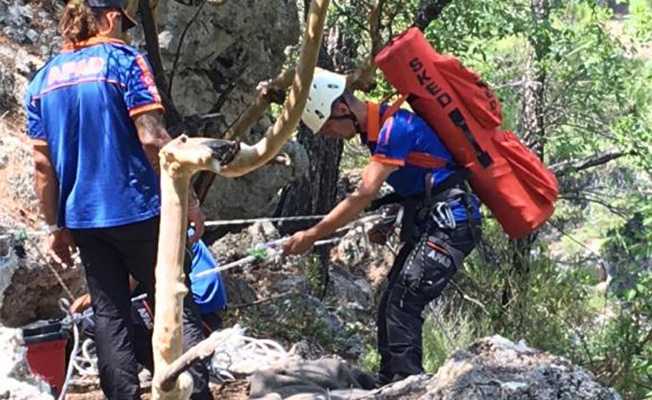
x: 208, y: 291
x: 82, y: 103
x: 407, y: 141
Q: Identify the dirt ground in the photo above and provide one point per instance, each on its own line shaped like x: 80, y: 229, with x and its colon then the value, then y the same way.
x: 235, y: 390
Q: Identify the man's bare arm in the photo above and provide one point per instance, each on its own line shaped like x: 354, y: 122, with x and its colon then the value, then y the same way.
x: 60, y: 243
x: 348, y: 209
x: 153, y: 135
x: 46, y: 183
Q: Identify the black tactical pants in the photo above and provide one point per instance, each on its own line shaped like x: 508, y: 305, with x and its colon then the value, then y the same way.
x: 109, y: 256
x: 420, y: 273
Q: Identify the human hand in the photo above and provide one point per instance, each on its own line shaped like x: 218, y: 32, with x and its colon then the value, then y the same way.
x: 62, y: 247
x: 196, y: 219
x: 80, y: 304
x: 299, y: 243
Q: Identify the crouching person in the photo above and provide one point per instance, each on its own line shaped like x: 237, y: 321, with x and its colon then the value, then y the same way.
x: 440, y: 219
x: 207, y: 288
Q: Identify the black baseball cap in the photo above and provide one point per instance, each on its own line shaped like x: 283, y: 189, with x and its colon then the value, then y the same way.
x: 127, y: 21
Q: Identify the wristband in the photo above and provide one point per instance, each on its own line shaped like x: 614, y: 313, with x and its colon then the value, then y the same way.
x: 50, y: 229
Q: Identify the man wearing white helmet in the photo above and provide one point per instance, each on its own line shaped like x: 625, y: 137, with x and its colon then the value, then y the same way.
x: 439, y: 219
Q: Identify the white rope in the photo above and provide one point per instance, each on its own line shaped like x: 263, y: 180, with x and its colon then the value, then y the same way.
x: 243, y: 354
x: 15, y: 232
x: 271, y: 249
x: 9, y: 233
x: 64, y: 305
x: 271, y: 219
x: 84, y: 361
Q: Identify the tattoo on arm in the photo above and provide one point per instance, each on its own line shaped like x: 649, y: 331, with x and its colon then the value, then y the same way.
x: 152, y: 135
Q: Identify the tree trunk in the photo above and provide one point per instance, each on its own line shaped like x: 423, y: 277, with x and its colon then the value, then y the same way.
x: 429, y: 11
x: 172, y: 116
x: 532, y: 125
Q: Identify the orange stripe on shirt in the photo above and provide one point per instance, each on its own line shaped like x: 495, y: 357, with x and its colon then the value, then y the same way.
x: 145, y: 108
x: 386, y: 160
x: 91, y: 42
x: 147, y: 78
x: 388, y: 131
x: 142, y: 64
x: 425, y: 160
x: 87, y: 80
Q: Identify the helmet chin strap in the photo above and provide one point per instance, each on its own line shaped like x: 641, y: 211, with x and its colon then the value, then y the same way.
x: 350, y: 116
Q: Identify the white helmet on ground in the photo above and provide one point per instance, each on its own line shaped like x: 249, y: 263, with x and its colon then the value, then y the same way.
x: 326, y: 88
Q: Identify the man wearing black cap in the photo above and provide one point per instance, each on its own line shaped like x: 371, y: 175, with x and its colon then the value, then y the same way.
x: 95, y: 120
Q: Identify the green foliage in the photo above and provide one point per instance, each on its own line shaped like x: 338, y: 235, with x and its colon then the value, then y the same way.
x: 621, y: 352
x: 370, y: 360
x: 289, y: 320
x: 639, y: 24
x: 442, y: 336
x: 310, y: 266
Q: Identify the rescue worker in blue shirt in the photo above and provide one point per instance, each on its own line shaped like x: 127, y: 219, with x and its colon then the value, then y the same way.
x: 407, y: 154
x: 94, y: 116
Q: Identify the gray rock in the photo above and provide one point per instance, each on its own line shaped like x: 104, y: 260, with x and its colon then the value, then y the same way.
x: 332, y: 323
x: 7, y: 88
x: 350, y: 291
x: 353, y: 347
x: 255, y: 194
x: 28, y: 289
x: 33, y: 291
x: 32, y: 36
x: 495, y: 368
x: 238, y: 291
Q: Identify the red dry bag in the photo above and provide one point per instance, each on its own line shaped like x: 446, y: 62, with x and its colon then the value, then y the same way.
x: 518, y: 189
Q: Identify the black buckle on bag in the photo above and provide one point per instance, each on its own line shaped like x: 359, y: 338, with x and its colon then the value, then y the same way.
x: 458, y: 119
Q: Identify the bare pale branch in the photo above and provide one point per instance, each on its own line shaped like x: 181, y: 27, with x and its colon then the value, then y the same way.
x: 252, y: 157
x: 260, y: 104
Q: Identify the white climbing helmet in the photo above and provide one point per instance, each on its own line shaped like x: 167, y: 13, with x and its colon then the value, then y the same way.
x: 326, y: 88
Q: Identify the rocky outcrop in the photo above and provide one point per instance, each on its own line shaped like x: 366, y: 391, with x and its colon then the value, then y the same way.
x: 226, y: 53
x: 493, y: 368
x: 496, y: 368
x: 29, y: 287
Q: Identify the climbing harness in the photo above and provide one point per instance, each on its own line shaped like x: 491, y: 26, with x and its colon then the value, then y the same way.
x: 442, y: 215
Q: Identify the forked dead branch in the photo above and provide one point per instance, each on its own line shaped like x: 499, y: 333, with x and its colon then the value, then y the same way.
x: 180, y: 160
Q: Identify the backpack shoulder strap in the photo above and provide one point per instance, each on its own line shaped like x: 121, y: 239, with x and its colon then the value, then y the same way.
x: 375, y: 121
